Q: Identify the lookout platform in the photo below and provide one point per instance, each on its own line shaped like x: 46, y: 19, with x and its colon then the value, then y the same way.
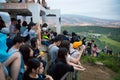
x: 31, y: 9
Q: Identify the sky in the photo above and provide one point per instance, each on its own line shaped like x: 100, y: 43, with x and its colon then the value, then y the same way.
x: 104, y: 9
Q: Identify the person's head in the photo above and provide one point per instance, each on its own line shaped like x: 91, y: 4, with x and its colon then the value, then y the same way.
x: 31, y: 19
x: 44, y: 25
x: 73, y: 34
x: 33, y: 66
x: 2, y: 24
x: 26, y: 51
x: 19, y: 21
x: 84, y: 38
x: 65, y: 32
x: 66, y: 44
x: 41, y: 68
x: 95, y: 45
x: 76, y: 45
x: 55, y: 33
x: 24, y: 23
x: 62, y: 54
x: 18, y: 40
x: 14, y: 21
x: 33, y: 42
x: 57, y: 40
x: 31, y: 26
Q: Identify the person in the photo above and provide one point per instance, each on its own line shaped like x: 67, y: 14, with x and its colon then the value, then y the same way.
x: 64, y: 36
x: 17, y: 42
x: 61, y: 66
x: 9, y: 60
x: 89, y: 48
x: 32, y: 72
x: 77, y: 50
x: 53, y: 49
x: 2, y: 75
x: 29, y: 33
x: 35, y: 46
x: 26, y: 52
x: 84, y: 40
x: 74, y: 37
x: 23, y: 27
x: 13, y: 28
x: 95, y: 50
x: 44, y: 4
x: 41, y: 71
x: 73, y: 57
x: 13, y: 61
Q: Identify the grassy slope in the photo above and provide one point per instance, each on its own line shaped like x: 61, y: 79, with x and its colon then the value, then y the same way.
x: 115, y: 45
x: 111, y: 35
x: 110, y: 41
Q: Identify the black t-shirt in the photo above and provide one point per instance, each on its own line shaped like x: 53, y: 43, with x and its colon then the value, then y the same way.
x: 40, y: 77
x: 61, y: 69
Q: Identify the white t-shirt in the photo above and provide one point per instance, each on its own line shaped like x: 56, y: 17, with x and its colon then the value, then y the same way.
x: 68, y: 58
x: 74, y: 53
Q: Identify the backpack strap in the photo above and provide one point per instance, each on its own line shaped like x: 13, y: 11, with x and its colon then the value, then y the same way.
x: 72, y: 52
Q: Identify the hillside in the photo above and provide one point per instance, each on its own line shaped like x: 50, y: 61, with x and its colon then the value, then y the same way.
x: 75, y: 20
x: 84, y: 21
x: 95, y: 72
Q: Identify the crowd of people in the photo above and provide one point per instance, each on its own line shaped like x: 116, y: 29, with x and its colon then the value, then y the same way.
x: 21, y: 56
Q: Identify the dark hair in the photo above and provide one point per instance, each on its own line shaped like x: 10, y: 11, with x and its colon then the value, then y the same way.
x: 33, y: 63
x: 13, y: 19
x: 95, y: 45
x: 62, y: 52
x: 25, y: 51
x: 57, y: 38
x: 33, y: 42
x: 2, y: 24
x: 65, y: 32
x: 74, y: 38
x: 55, y: 33
x: 44, y: 25
x: 17, y: 39
x: 73, y: 34
x: 24, y: 23
x: 65, y: 43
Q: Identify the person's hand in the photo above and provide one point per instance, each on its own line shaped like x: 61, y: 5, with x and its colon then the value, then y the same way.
x: 83, y: 47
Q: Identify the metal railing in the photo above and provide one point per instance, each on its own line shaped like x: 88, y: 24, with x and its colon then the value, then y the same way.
x: 70, y: 76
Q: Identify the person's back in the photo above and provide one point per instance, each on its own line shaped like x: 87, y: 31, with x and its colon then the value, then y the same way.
x: 53, y: 50
x: 61, y: 69
x: 61, y: 66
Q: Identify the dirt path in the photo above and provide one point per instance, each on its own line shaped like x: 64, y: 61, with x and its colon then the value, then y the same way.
x: 95, y: 72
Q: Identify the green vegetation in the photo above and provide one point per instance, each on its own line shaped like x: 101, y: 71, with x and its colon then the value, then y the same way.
x: 113, y: 33
x: 110, y: 36
x: 112, y: 62
x: 112, y: 43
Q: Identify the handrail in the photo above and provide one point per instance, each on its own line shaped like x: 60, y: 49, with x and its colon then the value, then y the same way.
x: 70, y: 76
x: 63, y: 78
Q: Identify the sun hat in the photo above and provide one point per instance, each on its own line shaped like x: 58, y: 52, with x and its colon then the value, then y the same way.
x: 77, y: 44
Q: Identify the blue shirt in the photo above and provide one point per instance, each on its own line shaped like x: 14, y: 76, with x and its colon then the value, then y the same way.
x: 3, y: 48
